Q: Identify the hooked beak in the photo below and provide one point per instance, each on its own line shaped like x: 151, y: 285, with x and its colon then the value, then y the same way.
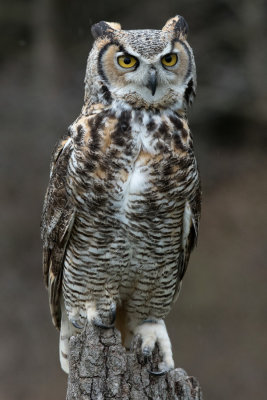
x: 152, y: 81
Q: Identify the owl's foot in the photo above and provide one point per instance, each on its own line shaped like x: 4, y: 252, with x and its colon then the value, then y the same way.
x: 94, y: 317
x: 147, y: 353
x: 154, y: 331
x: 74, y: 317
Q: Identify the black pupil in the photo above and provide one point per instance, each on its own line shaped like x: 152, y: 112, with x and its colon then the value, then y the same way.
x: 168, y: 58
x: 127, y: 60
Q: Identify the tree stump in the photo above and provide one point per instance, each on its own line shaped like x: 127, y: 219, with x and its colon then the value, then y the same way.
x: 101, y: 368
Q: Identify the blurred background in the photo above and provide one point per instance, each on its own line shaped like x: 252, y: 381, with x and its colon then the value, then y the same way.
x: 218, y: 327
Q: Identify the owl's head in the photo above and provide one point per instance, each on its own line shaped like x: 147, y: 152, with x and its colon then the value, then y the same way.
x: 144, y: 68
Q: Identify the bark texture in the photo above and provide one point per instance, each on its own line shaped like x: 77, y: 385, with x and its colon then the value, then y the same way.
x: 101, y: 368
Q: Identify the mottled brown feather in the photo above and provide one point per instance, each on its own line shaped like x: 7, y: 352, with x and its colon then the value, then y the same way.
x: 57, y: 220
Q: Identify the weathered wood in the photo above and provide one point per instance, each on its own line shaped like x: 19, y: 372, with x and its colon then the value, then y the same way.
x: 101, y: 368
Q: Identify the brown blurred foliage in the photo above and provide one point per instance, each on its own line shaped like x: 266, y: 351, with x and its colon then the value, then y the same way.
x: 218, y: 326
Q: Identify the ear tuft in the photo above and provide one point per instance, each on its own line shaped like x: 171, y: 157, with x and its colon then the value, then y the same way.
x: 104, y: 29
x: 177, y: 25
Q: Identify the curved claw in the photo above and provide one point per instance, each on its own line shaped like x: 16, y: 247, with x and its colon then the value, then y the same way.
x: 100, y: 324
x: 75, y: 324
x: 113, y: 315
x: 97, y: 321
x: 147, y: 352
x: 157, y: 373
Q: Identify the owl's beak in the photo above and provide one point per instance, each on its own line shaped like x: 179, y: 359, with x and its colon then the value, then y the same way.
x: 152, y: 81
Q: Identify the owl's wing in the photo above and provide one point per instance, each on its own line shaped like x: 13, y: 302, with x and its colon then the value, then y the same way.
x: 56, y: 225
x: 190, y: 227
x: 189, y: 232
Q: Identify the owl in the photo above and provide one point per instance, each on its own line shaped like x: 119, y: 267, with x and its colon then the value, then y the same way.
x: 122, y: 208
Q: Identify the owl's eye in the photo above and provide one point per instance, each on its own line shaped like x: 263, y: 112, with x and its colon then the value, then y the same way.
x: 127, y: 61
x: 169, y: 60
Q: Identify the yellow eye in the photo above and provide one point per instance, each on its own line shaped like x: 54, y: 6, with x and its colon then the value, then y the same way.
x: 169, y: 60
x: 127, y: 61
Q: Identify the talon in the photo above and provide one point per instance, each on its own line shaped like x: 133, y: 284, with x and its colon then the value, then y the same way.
x: 75, y: 324
x: 97, y: 321
x: 147, y: 351
x: 100, y: 324
x: 157, y: 373
x: 113, y: 314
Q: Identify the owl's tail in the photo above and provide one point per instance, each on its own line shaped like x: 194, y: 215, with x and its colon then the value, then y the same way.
x: 66, y: 331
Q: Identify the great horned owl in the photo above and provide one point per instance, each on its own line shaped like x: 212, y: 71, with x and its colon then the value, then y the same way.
x: 122, y: 207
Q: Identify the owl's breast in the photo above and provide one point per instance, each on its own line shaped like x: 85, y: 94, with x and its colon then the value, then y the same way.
x: 133, y: 167
x: 130, y: 179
